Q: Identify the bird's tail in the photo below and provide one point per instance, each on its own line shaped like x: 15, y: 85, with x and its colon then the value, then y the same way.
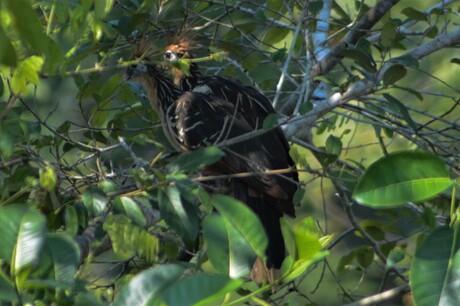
x: 269, y: 216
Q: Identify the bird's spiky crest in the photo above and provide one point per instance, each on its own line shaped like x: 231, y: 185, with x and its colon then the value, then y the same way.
x: 183, y: 41
x: 144, y: 49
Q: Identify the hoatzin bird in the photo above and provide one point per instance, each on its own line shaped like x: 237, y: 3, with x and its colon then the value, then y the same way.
x: 193, y: 119
x: 254, y: 107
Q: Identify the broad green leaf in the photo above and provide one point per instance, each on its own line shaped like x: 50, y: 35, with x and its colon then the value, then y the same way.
x: 306, y: 236
x: 129, y: 240
x: 95, y: 200
x: 244, y: 220
x: 414, y: 14
x: 364, y: 60
x: 450, y: 295
x: 198, y: 159
x: 133, y: 211
x: 147, y: 287
x: 402, y: 110
x: 300, y: 266
x: 402, y: 177
x: 334, y: 145
x: 199, y: 289
x: 102, y: 7
x: 48, y: 178
x: 393, y: 74
x: 241, y: 255
x: 275, y: 35
x: 388, y: 34
x: 6, y: 143
x: 7, y: 290
x: 28, y: 25
x: 65, y: 256
x: 215, y: 238
x: 430, y: 271
x: 71, y: 220
x: 7, y: 52
x: 30, y: 239
x: 26, y: 71
x: 10, y: 219
x: 178, y: 213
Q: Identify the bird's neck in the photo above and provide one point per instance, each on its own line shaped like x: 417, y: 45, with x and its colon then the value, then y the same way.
x: 161, y: 91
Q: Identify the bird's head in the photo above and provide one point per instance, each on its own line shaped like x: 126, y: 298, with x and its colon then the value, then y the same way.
x: 178, y: 49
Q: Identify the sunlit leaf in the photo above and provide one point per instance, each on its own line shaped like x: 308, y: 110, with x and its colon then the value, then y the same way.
x: 95, y: 200
x: 28, y: 25
x: 146, y: 287
x: 133, y: 211
x: 26, y: 71
x: 179, y: 214
x: 432, y: 279
x: 402, y: 177
x: 48, y: 178
x: 244, y: 220
x: 215, y: 237
x: 199, y: 289
x: 30, y: 239
x: 129, y: 240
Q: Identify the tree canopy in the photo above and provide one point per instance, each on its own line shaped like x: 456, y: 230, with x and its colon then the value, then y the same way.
x: 97, y: 208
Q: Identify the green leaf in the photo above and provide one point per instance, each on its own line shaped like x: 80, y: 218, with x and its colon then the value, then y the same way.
x: 26, y: 71
x: 450, y: 294
x: 388, y: 35
x: 393, y: 74
x: 48, y: 178
x: 275, y: 35
x: 215, y: 238
x: 414, y: 14
x: 270, y: 121
x: 361, y: 58
x: 7, y: 52
x: 28, y: 25
x: 178, y: 213
x: 95, y: 200
x: 455, y: 60
x: 133, y: 211
x: 198, y: 159
x: 71, y: 220
x: 7, y: 290
x: 129, y: 240
x: 65, y: 256
x: 306, y: 237
x: 334, y: 145
x: 29, y: 240
x: 244, y: 220
x: 402, y: 110
x: 10, y: 219
x: 102, y: 7
x: 199, y: 289
x: 146, y: 287
x: 402, y: 177
x: 6, y: 143
x: 432, y: 279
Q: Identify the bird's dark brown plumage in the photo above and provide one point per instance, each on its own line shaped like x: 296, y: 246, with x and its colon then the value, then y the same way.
x: 254, y: 107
